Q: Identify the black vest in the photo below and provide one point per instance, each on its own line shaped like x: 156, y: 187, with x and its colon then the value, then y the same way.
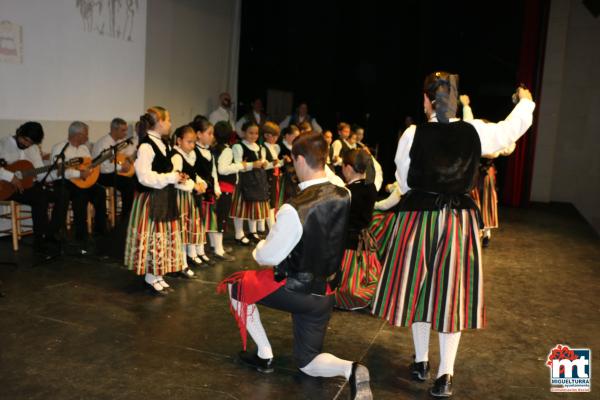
x: 204, y: 168
x: 364, y: 196
x: 161, y: 163
x: 163, y: 202
x: 444, y: 160
x: 231, y: 178
x: 323, y: 210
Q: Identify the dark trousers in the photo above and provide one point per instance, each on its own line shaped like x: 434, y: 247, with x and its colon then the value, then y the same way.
x: 125, y: 185
x: 310, y: 317
x: 37, y: 198
x: 223, y: 208
x: 79, y: 199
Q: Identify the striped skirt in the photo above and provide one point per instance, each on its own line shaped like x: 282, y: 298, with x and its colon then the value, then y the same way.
x: 248, y: 209
x: 489, y: 206
x: 360, y: 273
x: 277, y: 190
x: 209, y: 216
x: 190, y: 218
x: 152, y: 246
x: 381, y: 227
x: 432, y: 272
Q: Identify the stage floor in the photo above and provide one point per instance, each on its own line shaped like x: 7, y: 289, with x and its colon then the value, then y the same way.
x: 85, y: 328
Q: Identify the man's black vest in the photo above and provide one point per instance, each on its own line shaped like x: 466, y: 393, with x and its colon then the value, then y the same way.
x: 323, y: 210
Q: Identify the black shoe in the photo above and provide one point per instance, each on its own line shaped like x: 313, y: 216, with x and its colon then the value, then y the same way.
x: 442, y: 387
x: 253, y: 360
x: 485, y: 242
x: 184, y: 274
x: 359, y: 383
x: 420, y: 370
x: 224, y: 257
x: 254, y: 237
x: 243, y: 241
x: 155, y: 291
x: 193, y: 263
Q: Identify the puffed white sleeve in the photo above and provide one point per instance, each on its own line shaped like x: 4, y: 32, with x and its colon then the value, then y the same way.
x: 496, y: 137
x: 226, y: 164
x: 402, y: 158
x: 282, y: 238
x: 144, y: 173
x: 177, y: 162
x: 390, y: 201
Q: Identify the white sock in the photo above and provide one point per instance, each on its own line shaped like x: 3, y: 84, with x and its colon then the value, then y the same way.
x: 238, y: 225
x: 328, y: 365
x: 211, y: 239
x: 200, y: 249
x: 150, y: 278
x: 487, y: 233
x: 191, y: 251
x: 448, y: 349
x: 217, y: 239
x: 255, y: 329
x: 252, y: 225
x: 261, y: 225
x: 162, y: 282
x: 420, y: 333
x: 271, y: 219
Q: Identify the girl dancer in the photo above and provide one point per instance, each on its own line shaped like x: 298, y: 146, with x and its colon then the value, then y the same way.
x: 432, y: 274
x: 270, y: 132
x: 189, y: 194
x: 251, y: 197
x: 360, y: 267
x: 154, y: 245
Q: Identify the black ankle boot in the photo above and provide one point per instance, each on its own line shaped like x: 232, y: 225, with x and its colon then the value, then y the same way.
x: 442, y: 387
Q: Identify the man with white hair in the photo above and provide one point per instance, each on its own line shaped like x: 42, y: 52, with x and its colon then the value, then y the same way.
x: 75, y: 147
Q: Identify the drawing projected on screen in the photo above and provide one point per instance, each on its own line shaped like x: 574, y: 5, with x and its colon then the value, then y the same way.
x: 10, y: 43
x: 112, y: 18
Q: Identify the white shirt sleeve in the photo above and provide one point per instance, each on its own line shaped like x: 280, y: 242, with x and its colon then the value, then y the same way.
x: 333, y: 178
x: 144, y: 173
x: 285, y: 123
x: 402, y: 158
x: 390, y: 201
x: 467, y: 113
x: 282, y: 238
x: 378, y: 174
x: 215, y: 176
x: 239, y: 124
x: 226, y: 164
x: 496, y: 137
x: 177, y: 162
x: 316, y: 127
x: 238, y: 157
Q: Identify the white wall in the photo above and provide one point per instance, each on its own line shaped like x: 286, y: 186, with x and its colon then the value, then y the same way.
x: 567, y: 163
x: 191, y: 49
x: 191, y: 55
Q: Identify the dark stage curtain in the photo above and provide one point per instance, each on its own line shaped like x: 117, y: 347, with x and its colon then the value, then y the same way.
x: 519, y: 170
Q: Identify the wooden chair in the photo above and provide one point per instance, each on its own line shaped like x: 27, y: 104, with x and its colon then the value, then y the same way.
x: 17, y: 216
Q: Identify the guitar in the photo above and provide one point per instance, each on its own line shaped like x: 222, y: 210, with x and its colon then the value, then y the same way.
x: 121, y: 158
x: 26, y: 173
x: 94, y: 166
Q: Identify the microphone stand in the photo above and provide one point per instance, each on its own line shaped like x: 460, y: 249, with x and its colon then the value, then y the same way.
x: 59, y: 201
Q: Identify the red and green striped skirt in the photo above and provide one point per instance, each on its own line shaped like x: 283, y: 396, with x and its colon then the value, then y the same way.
x: 190, y: 218
x: 433, y: 272
x: 381, y: 227
x: 248, y: 209
x: 152, y: 246
x: 360, y: 273
x: 489, y: 206
x: 209, y: 216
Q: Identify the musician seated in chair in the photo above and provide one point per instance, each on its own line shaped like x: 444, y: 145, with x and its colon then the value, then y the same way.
x: 24, y: 146
x: 123, y: 180
x: 80, y: 185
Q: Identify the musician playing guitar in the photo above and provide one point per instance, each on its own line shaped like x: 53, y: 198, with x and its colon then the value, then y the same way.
x: 24, y: 146
x: 76, y: 147
x: 123, y: 181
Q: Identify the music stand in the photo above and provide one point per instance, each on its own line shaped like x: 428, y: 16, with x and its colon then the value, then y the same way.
x: 60, y: 200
